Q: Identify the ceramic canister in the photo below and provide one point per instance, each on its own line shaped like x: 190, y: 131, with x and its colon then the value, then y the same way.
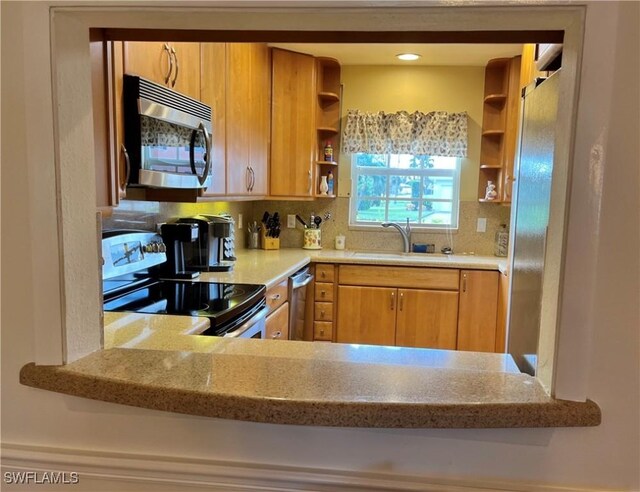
x: 311, y: 239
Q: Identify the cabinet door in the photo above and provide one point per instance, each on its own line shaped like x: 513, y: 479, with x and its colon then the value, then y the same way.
x: 176, y: 65
x: 277, y: 324
x: 261, y: 117
x: 248, y: 97
x: 292, y: 124
x: 427, y: 318
x: 212, y: 93
x: 186, y: 70
x: 478, y: 310
x: 366, y: 315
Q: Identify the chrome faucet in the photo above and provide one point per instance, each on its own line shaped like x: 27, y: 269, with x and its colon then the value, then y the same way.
x: 404, y: 232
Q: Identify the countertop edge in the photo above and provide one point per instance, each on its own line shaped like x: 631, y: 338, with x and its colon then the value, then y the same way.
x: 553, y: 413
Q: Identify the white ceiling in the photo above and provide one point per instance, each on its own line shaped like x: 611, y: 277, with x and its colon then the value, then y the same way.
x: 384, y: 54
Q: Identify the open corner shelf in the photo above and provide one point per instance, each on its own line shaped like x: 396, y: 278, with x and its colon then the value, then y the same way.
x: 495, y: 99
x: 483, y: 200
x: 318, y: 195
x: 329, y: 96
x: 326, y: 163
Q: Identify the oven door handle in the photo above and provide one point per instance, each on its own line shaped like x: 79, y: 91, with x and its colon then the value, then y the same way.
x: 238, y: 332
x: 207, y: 154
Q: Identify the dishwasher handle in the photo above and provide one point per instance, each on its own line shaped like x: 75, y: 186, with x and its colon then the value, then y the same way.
x: 301, y: 280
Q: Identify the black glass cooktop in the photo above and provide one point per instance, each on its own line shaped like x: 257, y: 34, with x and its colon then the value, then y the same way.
x: 218, y: 301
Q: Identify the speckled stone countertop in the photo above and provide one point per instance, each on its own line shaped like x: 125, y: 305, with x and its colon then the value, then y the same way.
x: 269, y: 267
x: 315, y: 384
x: 159, y: 362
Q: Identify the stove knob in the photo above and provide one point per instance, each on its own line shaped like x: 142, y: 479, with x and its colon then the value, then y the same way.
x: 156, y: 248
x: 148, y: 248
x: 163, y: 247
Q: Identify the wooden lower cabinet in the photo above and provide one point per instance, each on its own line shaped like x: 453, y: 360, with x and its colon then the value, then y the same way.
x: 427, y: 319
x: 478, y: 310
x: 277, y: 324
x: 366, y: 315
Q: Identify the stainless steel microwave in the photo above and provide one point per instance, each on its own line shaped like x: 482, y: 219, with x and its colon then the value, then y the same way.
x: 167, y: 136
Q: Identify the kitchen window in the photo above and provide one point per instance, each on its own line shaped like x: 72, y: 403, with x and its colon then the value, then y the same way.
x: 392, y: 187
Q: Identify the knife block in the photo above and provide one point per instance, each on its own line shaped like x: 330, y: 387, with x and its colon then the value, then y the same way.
x: 269, y: 242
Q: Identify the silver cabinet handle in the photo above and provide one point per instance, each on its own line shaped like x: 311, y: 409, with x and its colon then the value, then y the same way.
x: 248, y: 179
x: 175, y: 57
x: 401, y: 300
x: 275, y: 297
x: 464, y: 282
x: 393, y: 301
x: 253, y: 177
x: 310, y: 183
x: 127, y: 169
x: 277, y: 334
x: 168, y: 50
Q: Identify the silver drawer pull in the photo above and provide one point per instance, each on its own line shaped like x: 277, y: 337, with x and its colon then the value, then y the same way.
x: 275, y: 297
x: 277, y: 334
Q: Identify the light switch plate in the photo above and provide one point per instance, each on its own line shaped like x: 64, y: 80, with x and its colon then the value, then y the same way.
x: 239, y: 221
x: 482, y: 225
x: 291, y: 221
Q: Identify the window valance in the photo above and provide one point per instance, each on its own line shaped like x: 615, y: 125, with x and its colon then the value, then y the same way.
x: 436, y: 133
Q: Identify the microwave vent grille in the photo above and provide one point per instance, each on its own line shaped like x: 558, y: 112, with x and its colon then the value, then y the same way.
x: 167, y: 97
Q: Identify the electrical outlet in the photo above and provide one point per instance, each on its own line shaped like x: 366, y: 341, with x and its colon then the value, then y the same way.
x: 482, y: 225
x: 239, y: 221
x: 291, y: 221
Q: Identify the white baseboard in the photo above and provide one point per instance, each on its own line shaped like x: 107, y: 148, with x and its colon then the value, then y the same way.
x: 122, y: 472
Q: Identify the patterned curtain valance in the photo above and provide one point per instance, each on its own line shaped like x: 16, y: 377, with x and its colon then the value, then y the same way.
x: 436, y: 133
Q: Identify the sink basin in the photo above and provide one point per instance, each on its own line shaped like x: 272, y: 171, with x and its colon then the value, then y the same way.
x: 401, y: 256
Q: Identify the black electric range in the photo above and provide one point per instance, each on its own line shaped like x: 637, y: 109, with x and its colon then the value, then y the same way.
x: 130, y: 284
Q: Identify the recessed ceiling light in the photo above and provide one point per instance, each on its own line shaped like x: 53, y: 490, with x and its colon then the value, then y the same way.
x: 408, y: 56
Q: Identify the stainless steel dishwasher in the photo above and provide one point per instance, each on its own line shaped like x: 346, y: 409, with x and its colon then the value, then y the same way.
x: 301, y: 305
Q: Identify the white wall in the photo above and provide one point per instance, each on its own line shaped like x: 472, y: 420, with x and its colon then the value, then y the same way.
x: 605, y: 456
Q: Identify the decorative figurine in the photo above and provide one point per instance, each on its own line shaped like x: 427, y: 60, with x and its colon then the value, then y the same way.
x: 490, y: 193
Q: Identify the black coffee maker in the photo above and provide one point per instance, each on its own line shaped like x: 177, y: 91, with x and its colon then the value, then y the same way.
x: 175, y: 237
x: 210, y: 253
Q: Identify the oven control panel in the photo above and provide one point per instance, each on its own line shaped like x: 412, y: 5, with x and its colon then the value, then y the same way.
x: 128, y: 252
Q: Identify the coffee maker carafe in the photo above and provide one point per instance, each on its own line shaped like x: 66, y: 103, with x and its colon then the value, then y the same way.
x: 213, y: 251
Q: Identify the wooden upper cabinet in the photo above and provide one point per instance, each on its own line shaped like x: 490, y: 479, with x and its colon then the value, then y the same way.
x: 212, y: 93
x: 176, y: 65
x: 478, y: 310
x: 248, y: 98
x: 427, y: 319
x: 293, y: 134
x: 366, y: 315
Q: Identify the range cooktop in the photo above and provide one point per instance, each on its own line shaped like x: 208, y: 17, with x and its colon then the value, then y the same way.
x: 218, y: 301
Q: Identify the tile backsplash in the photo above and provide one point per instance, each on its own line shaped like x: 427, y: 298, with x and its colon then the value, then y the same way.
x: 133, y: 214
x: 464, y: 240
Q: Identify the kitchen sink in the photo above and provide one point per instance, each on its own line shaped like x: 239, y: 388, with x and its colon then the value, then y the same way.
x: 406, y: 256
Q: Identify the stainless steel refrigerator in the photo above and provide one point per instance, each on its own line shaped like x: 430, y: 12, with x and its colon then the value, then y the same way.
x: 530, y: 218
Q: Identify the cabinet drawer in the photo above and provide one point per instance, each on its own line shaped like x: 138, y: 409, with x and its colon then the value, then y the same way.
x: 324, y: 311
x: 277, y: 295
x: 277, y: 324
x: 324, y: 292
x: 407, y: 277
x: 324, y: 273
x: 322, y: 331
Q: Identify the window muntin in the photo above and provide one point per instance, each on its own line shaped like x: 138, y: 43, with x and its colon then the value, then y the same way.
x: 392, y: 187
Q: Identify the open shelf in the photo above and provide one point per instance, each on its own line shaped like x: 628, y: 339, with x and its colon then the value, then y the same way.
x: 328, y: 96
x: 318, y: 195
x: 327, y: 129
x: 327, y: 163
x: 482, y: 200
x: 495, y: 98
x: 492, y: 133
x: 487, y: 166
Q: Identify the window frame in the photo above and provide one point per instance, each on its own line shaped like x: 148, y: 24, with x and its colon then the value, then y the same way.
x: 354, y: 224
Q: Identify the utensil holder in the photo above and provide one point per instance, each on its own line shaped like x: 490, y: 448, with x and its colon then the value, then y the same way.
x: 254, y: 240
x: 270, y: 242
x: 312, y: 239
